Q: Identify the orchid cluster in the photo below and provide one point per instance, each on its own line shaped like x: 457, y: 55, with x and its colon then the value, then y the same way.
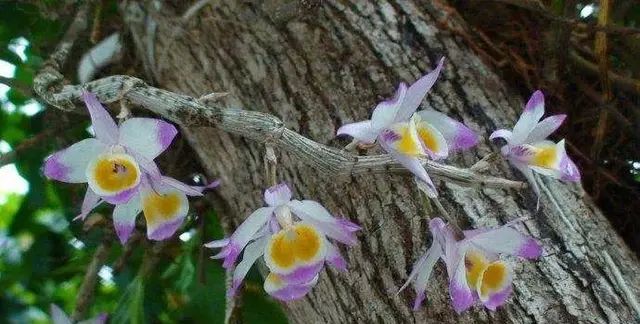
x: 476, y: 272
x: 409, y: 135
x: 118, y: 166
x: 295, y: 238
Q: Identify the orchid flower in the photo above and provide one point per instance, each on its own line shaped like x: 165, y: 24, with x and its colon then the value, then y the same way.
x: 528, y: 149
x: 409, y: 135
x: 294, y: 238
x: 118, y: 166
x: 58, y: 316
x: 475, y: 269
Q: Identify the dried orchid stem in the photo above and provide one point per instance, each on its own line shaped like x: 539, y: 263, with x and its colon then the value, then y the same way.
x: 258, y: 126
x: 270, y: 164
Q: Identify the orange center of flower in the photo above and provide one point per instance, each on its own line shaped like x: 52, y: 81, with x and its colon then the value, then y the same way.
x: 299, y: 243
x: 475, y: 263
x: 158, y: 208
x: 493, y: 277
x: 116, y: 172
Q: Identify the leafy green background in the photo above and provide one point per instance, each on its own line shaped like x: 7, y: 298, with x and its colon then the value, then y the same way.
x: 44, y: 254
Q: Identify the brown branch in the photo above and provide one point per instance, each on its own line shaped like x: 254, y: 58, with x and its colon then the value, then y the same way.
x: 624, y: 83
x: 85, y: 294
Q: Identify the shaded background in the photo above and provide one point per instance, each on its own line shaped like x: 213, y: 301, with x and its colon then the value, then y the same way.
x: 586, y: 71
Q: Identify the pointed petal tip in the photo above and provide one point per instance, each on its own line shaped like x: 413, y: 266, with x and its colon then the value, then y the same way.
x: 531, y: 249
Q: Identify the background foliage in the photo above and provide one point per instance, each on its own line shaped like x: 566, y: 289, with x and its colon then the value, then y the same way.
x: 44, y: 255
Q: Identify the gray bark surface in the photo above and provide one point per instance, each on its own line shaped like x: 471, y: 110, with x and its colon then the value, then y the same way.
x: 318, y: 67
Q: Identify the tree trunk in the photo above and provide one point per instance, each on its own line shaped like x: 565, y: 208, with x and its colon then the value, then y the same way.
x: 320, y: 65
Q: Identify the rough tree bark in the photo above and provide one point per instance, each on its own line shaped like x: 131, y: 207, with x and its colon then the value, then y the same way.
x: 317, y: 66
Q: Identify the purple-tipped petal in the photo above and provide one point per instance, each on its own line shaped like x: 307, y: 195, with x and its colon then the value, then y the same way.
x: 277, y: 195
x: 416, y: 93
x: 386, y: 111
x: 147, y: 136
x: 531, y: 249
x: 70, y: 164
x: 315, y: 214
x: 252, y: 252
x: 568, y: 170
x: 361, y: 131
x: 217, y: 243
x: 302, y: 274
x: 124, y: 218
x: 280, y: 290
x: 103, y: 125
x: 58, y: 316
x: 505, y: 240
x: 529, y: 118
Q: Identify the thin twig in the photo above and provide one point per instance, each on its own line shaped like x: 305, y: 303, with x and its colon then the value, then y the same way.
x: 85, y: 294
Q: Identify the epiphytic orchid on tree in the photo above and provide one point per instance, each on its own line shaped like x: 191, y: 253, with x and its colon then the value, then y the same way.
x: 118, y: 166
x: 528, y: 149
x: 293, y: 236
x: 409, y: 135
x: 473, y: 263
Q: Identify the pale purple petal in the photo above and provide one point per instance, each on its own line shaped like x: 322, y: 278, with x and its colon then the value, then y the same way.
x: 529, y: 118
x: 505, y: 240
x: 277, y: 195
x: 58, y: 316
x: 362, y: 131
x: 70, y: 164
x: 147, y: 165
x: 501, y: 133
x: 545, y: 128
x: 419, y: 300
x: 252, y: 252
x: 315, y: 214
x: 567, y: 169
x: 334, y: 258
x: 217, y: 243
x: 90, y: 201
x: 124, y: 218
x: 385, y: 112
x: 243, y: 234
x: 103, y: 125
x: 416, y: 93
x: 187, y: 189
x: 147, y: 136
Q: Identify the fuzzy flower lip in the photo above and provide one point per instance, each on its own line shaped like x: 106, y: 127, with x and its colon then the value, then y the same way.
x: 528, y: 149
x: 409, y: 135
x: 294, y: 237
x: 476, y: 272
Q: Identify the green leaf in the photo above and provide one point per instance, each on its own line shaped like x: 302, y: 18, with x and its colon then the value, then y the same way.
x: 130, y: 308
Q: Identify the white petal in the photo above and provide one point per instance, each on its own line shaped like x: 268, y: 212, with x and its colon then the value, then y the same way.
x: 544, y: 128
x: 385, y: 112
x: 250, y: 226
x: 147, y: 136
x: 251, y: 253
x: 70, y: 164
x: 529, y: 118
x: 505, y: 240
x: 362, y: 131
x: 432, y: 140
x: 277, y: 195
x: 501, y: 133
x: 416, y: 93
